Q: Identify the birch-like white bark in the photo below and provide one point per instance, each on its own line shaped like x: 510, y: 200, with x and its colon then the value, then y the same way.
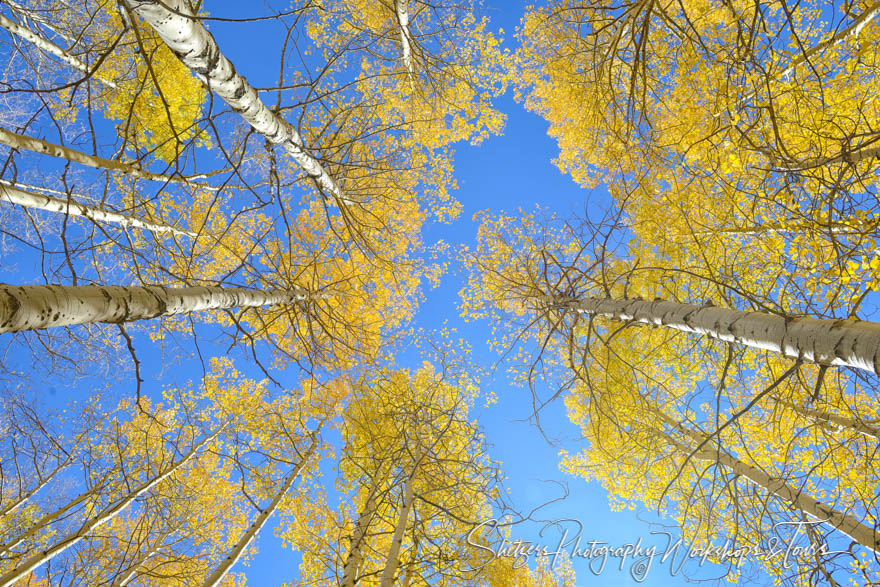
x: 834, y: 421
x: 848, y: 343
x: 852, y: 30
x: 8, y: 509
x: 223, y: 568
x: 793, y: 226
x: 196, y: 48
x: 104, y: 516
x: 393, y: 559
x: 25, y: 13
x: 17, y: 141
x: 49, y: 518
x: 849, y: 525
x: 30, y: 307
x: 51, y: 48
x: 129, y: 573
x: 412, y: 570
x: 845, y: 156
x: 401, y: 9
x: 14, y: 195
x: 355, y: 551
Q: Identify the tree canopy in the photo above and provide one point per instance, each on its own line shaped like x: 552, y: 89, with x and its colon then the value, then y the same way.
x: 226, y: 231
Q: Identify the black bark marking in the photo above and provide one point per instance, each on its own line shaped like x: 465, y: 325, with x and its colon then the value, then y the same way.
x: 12, y: 305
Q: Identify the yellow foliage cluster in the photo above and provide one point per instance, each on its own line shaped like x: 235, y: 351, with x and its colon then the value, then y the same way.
x: 157, y: 102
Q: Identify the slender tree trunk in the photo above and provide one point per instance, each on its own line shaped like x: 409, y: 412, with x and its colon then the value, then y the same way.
x: 15, y: 195
x: 849, y: 525
x: 17, y: 141
x: 355, y: 551
x: 846, y: 155
x: 401, y: 10
x: 196, y: 48
x: 411, y: 571
x: 852, y: 30
x: 849, y: 343
x: 214, y: 578
x: 49, y: 518
x: 833, y: 420
x: 104, y: 516
x: 794, y: 226
x: 51, y: 48
x: 131, y: 570
x: 25, y: 13
x: 27, y: 496
x: 393, y: 559
x: 31, y: 307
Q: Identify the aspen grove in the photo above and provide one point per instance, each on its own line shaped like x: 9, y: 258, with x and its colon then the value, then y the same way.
x: 279, y: 282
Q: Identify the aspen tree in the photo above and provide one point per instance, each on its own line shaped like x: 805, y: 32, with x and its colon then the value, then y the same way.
x: 102, y: 517
x: 695, y: 132
x: 51, y: 48
x: 18, y: 141
x: 14, y: 195
x: 235, y: 554
x: 196, y: 522
x: 436, y: 65
x: 198, y: 50
x: 559, y: 287
x: 417, y: 479
x: 525, y: 275
x: 30, y: 307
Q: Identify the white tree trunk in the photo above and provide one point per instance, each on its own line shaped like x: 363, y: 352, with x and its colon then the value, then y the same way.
x: 214, y: 578
x: 846, y: 155
x: 104, y: 516
x: 25, y: 13
x: 49, y: 518
x: 834, y: 421
x: 14, y: 195
x: 849, y: 343
x: 401, y: 9
x: 196, y: 48
x: 355, y: 550
x: 23, y: 499
x: 795, y: 226
x: 129, y: 573
x: 51, y: 48
x: 393, y: 559
x: 29, y: 307
x: 407, y: 581
x: 852, y: 30
x: 849, y: 525
x: 17, y: 141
